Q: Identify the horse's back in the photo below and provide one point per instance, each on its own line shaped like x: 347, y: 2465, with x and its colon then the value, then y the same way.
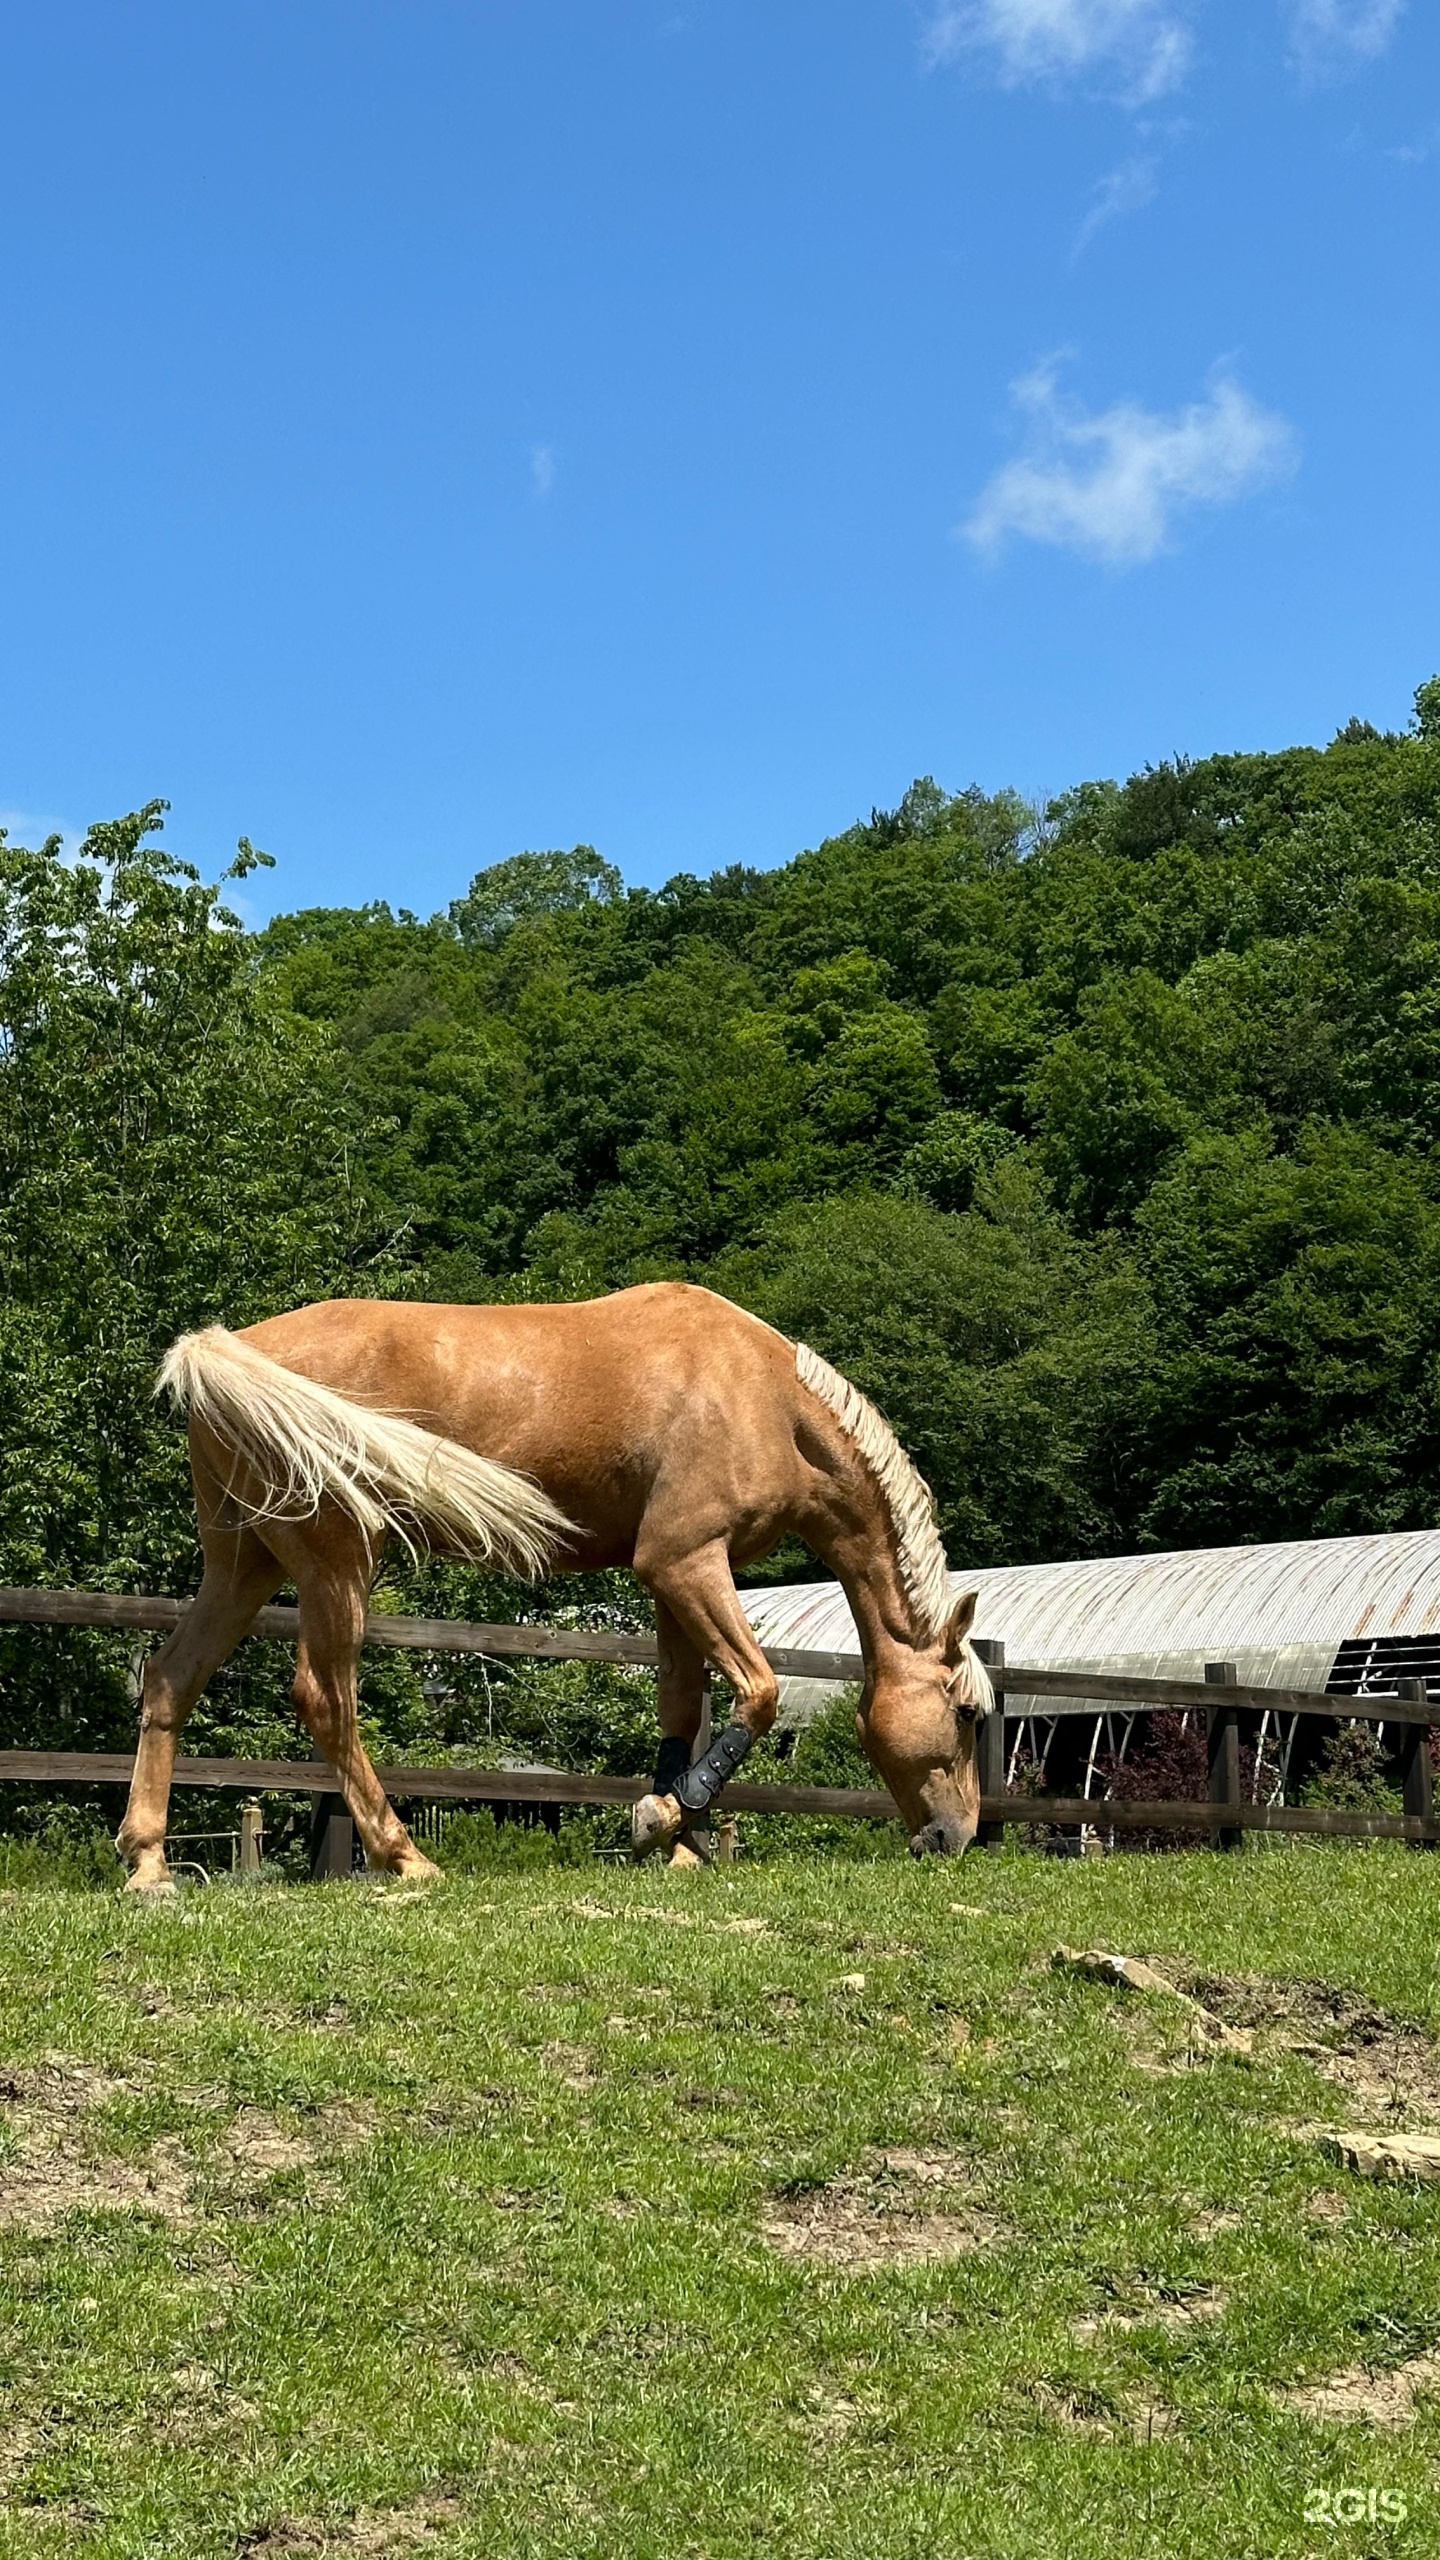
x: 600, y: 1399
x: 643, y: 1340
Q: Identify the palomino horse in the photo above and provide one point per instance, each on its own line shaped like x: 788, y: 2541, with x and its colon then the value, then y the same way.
x: 662, y: 1428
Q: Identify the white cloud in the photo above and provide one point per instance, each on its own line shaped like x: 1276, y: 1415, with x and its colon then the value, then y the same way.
x: 1329, y: 34
x: 1111, y: 486
x: 23, y: 826
x: 542, y: 469
x: 1127, y: 189
x: 1142, y: 44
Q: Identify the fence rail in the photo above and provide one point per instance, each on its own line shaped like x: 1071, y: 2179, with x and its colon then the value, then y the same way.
x: 1221, y: 1696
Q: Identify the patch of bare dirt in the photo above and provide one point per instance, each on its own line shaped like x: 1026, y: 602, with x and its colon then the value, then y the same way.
x: 256, y: 2148
x: 19, y: 2445
x: 830, y: 2421
x: 1389, y: 2066
x: 1094, y: 2413
x: 1214, y: 2220
x: 1089, y: 2413
x: 1364, y: 2397
x: 572, y: 2065
x: 206, y: 2404
x: 61, y: 2168
x: 887, y: 2215
x: 1143, y: 2425
x: 373, y: 2531
x: 65, y: 2166
x: 1171, y: 2307
x: 256, y: 2143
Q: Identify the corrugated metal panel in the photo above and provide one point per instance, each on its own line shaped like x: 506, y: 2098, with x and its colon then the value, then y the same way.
x: 1279, y: 1613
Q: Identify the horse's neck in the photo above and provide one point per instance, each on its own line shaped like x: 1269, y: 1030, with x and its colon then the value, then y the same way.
x: 868, y: 1571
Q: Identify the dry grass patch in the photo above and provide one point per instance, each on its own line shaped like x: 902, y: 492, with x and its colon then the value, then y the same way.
x: 65, y: 2163
x: 1093, y: 2413
x: 1172, y: 2307
x: 884, y: 2216
x: 1389, y: 2066
x: 572, y: 2064
x: 62, y: 2167
x: 370, y: 2530
x: 1362, y: 2396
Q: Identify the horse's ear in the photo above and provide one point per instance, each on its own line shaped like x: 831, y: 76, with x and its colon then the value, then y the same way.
x: 959, y: 1623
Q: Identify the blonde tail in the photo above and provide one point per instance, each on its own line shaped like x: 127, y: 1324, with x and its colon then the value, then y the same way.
x: 301, y: 1444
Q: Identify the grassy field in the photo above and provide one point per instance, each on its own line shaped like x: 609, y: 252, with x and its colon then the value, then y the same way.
x: 806, y: 2208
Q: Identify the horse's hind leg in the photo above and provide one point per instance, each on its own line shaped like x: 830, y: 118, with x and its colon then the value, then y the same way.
x: 240, y: 1576
x: 332, y: 1625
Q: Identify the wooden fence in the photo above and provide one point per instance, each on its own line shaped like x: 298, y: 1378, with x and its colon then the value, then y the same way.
x: 1225, y: 1815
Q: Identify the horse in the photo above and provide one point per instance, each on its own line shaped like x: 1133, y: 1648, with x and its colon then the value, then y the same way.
x: 661, y: 1428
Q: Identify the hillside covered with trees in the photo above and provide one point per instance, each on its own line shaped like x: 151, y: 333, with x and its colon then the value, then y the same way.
x: 1099, y: 1147
x: 1099, y: 1150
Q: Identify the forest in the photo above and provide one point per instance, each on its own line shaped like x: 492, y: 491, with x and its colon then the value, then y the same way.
x: 1096, y: 1143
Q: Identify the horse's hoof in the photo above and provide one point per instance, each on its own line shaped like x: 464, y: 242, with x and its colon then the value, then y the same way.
x: 161, y: 1888
x: 686, y: 1856
x: 655, y: 1822
x: 418, y: 1869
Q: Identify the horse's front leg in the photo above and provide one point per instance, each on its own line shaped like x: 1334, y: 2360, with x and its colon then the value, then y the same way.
x: 697, y: 1594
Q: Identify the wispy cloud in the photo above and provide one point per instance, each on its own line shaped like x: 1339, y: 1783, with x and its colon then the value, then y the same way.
x: 1333, y: 35
x: 1127, y: 189
x: 542, y: 469
x: 1112, y: 485
x: 24, y: 826
x: 1143, y: 46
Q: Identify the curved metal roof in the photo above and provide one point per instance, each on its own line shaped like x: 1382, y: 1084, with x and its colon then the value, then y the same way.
x: 1280, y: 1613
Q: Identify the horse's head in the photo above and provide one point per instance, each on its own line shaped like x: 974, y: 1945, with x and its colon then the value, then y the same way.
x: 917, y: 1724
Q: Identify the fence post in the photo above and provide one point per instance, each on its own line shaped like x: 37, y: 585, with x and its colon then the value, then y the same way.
x: 1223, y: 1736
x: 1417, y: 1775
x: 990, y: 1740
x: 252, y: 1834
x: 332, y: 1838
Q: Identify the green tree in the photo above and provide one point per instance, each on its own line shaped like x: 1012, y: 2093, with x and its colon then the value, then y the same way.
x: 529, y: 885
x: 999, y: 1345
x: 173, y: 1152
x: 1294, y: 1390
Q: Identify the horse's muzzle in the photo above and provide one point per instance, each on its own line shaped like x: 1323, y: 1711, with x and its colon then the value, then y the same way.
x: 946, y: 1837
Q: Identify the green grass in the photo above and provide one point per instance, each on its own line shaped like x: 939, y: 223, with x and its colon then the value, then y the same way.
x: 455, y: 2240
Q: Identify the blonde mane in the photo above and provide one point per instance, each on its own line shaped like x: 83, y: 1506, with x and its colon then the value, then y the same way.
x: 907, y: 1497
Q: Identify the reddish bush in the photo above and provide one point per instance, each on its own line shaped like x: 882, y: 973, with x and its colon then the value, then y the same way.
x: 1169, y: 1765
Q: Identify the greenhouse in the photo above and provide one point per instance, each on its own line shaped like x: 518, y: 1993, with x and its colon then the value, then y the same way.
x: 1350, y: 1615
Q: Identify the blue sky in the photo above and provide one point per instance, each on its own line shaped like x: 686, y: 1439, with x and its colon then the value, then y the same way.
x: 439, y: 427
